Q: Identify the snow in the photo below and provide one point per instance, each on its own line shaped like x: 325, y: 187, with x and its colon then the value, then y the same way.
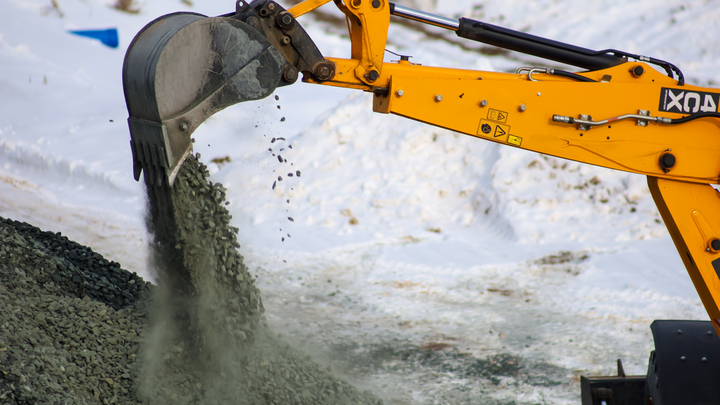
x: 401, y: 232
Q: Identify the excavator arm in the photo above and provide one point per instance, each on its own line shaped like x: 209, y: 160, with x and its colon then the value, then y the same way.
x: 618, y: 112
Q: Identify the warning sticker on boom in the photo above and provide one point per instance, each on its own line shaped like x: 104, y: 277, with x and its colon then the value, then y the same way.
x: 514, y: 140
x: 493, y: 129
x: 688, y: 102
x: 497, y: 115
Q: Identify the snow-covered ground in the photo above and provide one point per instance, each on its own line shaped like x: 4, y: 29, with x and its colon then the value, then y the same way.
x: 408, y: 242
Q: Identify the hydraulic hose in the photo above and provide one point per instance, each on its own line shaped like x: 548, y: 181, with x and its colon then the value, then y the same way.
x: 694, y: 117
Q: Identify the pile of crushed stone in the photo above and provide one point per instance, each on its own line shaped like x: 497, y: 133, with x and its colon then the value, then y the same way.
x: 78, y: 329
x: 70, y: 321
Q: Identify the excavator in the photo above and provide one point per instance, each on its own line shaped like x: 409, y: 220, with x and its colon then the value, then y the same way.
x: 620, y: 110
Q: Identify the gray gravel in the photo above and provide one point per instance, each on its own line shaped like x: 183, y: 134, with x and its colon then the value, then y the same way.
x: 70, y: 321
x: 209, y: 342
x: 78, y: 329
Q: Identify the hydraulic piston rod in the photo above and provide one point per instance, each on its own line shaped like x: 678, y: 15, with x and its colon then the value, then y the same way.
x: 513, y: 40
x: 424, y: 17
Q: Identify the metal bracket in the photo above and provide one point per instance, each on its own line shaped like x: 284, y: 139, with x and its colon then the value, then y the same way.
x: 641, y: 122
x: 531, y: 70
x: 584, y: 127
x: 281, y: 29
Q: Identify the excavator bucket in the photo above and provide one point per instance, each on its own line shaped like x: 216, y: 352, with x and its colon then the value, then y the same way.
x: 184, y: 67
x: 180, y: 70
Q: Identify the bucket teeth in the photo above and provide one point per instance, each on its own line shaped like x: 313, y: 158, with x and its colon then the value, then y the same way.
x: 149, y: 152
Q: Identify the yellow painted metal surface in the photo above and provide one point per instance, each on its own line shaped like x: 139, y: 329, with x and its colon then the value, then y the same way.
x: 512, y: 110
x: 692, y: 215
x: 368, y: 22
x: 305, y: 7
x: 527, y: 109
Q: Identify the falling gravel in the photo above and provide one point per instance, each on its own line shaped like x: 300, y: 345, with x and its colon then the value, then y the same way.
x: 208, y: 341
